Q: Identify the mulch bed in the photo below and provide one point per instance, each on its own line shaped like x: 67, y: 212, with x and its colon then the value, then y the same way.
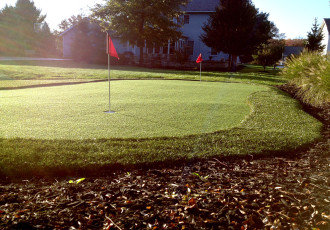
x: 270, y: 192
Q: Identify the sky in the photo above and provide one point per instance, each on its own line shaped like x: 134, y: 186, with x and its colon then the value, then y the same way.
x: 292, y: 17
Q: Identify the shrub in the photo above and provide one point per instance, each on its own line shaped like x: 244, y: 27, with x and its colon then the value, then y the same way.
x: 310, y: 73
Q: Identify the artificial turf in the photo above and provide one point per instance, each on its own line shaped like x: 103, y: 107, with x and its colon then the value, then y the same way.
x: 276, y: 123
x: 144, y: 109
x: 52, y: 130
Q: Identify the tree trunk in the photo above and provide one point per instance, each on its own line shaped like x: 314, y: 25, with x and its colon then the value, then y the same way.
x: 141, y: 60
x: 234, y: 61
x: 229, y: 62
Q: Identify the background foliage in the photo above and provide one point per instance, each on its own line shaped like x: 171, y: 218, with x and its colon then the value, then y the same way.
x: 138, y: 21
x: 17, y: 34
x: 237, y: 28
x: 309, y: 73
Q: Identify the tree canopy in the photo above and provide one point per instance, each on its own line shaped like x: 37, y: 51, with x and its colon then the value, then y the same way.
x: 314, y: 38
x: 69, y: 22
x: 237, y: 28
x: 17, y: 32
x: 270, y: 53
x: 138, y: 21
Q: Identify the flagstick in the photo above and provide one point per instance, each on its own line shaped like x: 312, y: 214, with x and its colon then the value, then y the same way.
x: 200, y: 71
x: 109, y: 85
x: 109, y: 80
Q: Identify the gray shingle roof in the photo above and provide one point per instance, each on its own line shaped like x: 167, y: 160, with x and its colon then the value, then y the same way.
x: 288, y: 50
x: 327, y: 23
x: 202, y: 5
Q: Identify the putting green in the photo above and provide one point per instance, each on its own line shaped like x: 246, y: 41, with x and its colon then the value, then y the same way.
x: 144, y: 108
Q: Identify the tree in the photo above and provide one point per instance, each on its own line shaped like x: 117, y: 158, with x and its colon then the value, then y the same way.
x: 314, y: 38
x: 17, y: 26
x: 237, y: 28
x: 7, y: 34
x: 138, y: 21
x: 46, y: 42
x: 67, y: 23
x: 88, y: 45
x: 270, y: 53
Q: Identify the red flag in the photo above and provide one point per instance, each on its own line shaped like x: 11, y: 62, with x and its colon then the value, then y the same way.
x: 111, y: 50
x: 199, y: 59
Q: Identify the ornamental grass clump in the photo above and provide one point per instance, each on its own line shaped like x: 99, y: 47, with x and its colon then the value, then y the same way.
x: 309, y: 73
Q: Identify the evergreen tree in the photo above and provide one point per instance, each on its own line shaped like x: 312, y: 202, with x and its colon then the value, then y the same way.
x: 17, y: 27
x: 237, y: 28
x: 314, y: 38
x: 138, y: 21
x: 7, y: 31
x: 45, y: 43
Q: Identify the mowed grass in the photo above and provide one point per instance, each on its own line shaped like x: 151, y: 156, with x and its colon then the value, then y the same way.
x: 144, y: 109
x: 23, y: 73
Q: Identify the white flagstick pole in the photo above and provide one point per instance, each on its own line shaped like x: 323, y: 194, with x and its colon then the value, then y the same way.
x: 109, y: 51
x: 200, y: 71
x: 109, y: 81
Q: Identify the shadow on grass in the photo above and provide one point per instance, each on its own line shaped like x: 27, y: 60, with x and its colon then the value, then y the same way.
x: 107, y: 170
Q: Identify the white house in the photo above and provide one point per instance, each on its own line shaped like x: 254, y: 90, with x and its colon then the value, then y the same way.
x: 196, y: 14
x: 325, y: 28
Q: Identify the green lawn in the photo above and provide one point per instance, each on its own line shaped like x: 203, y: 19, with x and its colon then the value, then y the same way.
x: 37, y: 72
x: 145, y: 108
x: 62, y: 130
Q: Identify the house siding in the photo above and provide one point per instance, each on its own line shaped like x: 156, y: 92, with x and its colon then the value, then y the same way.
x: 193, y: 31
x: 68, y: 37
x: 326, y: 33
x: 326, y: 42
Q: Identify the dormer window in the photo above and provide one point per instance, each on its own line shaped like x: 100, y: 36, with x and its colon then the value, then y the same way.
x: 186, y: 19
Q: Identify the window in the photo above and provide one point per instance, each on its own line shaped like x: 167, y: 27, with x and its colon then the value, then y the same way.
x: 165, y: 49
x: 172, y: 47
x: 186, y: 19
x: 157, y: 49
x: 150, y: 48
x: 190, y: 47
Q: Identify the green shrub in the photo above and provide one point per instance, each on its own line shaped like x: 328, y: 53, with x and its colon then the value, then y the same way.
x: 310, y: 73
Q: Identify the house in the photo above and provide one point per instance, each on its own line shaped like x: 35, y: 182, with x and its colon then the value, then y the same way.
x: 325, y: 28
x: 69, y: 35
x: 291, y: 50
x: 196, y: 13
x: 67, y: 39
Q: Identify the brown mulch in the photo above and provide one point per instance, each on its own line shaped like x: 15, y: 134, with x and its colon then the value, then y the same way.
x: 278, y: 192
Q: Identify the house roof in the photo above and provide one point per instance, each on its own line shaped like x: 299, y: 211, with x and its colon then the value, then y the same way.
x: 91, y: 24
x: 67, y: 30
x: 288, y: 50
x: 198, y: 6
x: 327, y: 23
